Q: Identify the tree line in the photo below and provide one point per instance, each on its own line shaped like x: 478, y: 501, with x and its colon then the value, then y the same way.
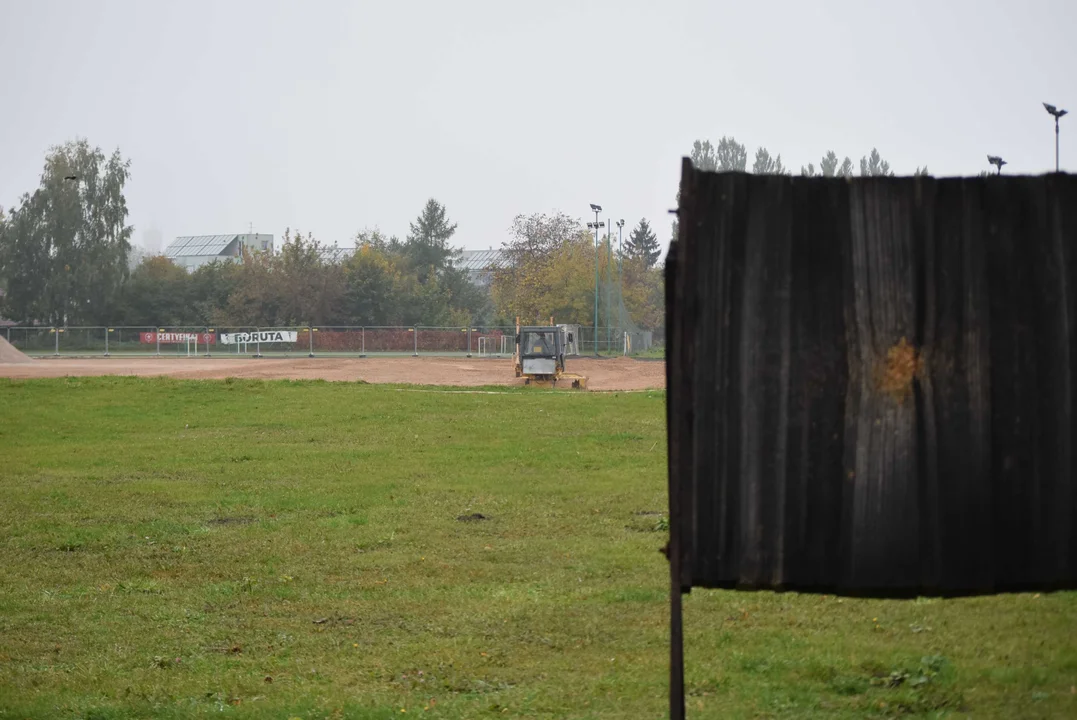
x: 728, y: 155
x: 65, y: 256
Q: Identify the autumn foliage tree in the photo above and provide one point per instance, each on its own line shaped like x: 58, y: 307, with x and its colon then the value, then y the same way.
x: 544, y: 262
x: 550, y: 271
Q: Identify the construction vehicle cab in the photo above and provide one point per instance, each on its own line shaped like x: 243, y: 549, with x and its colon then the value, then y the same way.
x: 540, y: 355
x: 540, y: 351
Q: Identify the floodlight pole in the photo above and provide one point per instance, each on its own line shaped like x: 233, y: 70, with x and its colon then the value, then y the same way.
x: 609, y: 290
x: 596, y: 209
x: 620, y: 254
x: 1056, y: 141
x: 1057, y: 113
x: 597, y: 250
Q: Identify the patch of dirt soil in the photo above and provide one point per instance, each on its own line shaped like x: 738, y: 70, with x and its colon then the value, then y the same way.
x: 473, y: 517
x: 617, y: 374
x: 9, y: 354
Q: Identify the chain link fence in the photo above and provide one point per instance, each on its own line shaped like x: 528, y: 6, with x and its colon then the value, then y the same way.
x: 333, y: 341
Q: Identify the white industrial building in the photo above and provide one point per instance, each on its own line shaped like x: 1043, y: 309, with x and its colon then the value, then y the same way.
x: 193, y: 251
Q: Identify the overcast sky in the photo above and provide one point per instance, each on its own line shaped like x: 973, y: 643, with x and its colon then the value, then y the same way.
x: 336, y: 115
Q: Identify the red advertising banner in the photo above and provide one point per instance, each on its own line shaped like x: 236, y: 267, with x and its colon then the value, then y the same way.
x: 169, y: 338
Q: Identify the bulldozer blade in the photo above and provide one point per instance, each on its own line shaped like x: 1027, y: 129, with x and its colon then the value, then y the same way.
x: 579, y: 382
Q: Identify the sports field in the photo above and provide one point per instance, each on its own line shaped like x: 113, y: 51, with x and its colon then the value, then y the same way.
x: 602, y: 374
x: 245, y: 548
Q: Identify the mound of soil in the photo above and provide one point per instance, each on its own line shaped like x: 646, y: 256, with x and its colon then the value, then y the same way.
x: 10, y: 354
x: 473, y: 517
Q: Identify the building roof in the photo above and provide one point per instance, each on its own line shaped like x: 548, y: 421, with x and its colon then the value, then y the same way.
x: 478, y: 260
x: 199, y: 245
x: 334, y: 254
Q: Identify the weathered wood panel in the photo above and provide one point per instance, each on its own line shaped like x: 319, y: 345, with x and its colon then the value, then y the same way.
x: 871, y: 384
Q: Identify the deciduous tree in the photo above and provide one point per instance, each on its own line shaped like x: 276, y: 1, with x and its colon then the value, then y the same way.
x: 873, y: 165
x: 65, y: 249
x: 767, y: 165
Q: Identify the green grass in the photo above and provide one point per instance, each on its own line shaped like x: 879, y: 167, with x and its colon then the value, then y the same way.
x: 292, y: 549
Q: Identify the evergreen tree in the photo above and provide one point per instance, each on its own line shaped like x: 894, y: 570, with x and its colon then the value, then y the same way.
x: 642, y: 243
x: 427, y: 246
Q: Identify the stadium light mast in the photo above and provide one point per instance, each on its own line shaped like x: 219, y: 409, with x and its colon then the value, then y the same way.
x: 620, y: 252
x: 594, y: 227
x: 609, y: 284
x: 997, y: 162
x: 1058, y: 113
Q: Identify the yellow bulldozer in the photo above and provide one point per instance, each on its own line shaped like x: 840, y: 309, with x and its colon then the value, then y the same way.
x: 539, y: 357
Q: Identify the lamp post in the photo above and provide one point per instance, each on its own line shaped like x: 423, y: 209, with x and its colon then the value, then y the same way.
x: 609, y: 284
x: 997, y: 162
x: 1057, y: 115
x: 620, y: 253
x: 620, y: 263
x: 594, y: 227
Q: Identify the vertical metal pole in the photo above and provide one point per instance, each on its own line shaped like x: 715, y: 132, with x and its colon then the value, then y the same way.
x: 56, y: 351
x: 1056, y: 143
x: 106, y: 342
x: 310, y: 330
x: 257, y: 342
x: 595, y: 334
x: 620, y: 252
x: 415, y: 331
x: 621, y: 261
x: 609, y: 289
x: 469, y: 337
x: 362, y: 335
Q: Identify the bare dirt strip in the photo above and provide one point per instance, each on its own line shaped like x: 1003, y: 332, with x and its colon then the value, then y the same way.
x: 614, y: 374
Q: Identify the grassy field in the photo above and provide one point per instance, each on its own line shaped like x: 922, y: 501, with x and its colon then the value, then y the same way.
x: 283, y: 549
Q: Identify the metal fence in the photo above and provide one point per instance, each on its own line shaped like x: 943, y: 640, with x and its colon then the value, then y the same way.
x: 317, y: 341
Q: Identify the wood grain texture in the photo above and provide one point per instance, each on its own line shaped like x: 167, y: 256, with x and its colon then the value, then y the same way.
x: 871, y: 384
